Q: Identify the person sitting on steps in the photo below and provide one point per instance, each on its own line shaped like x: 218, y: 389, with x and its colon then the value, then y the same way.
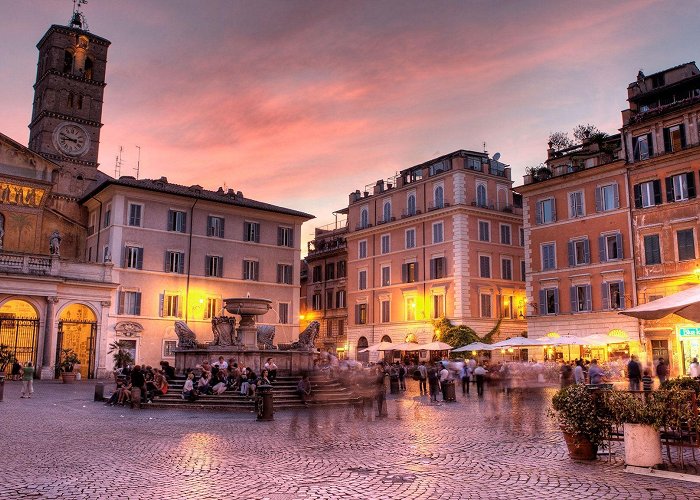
x: 304, y: 389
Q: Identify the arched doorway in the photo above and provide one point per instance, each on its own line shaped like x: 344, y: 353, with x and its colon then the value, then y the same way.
x: 19, y: 330
x: 388, y: 355
x: 362, y: 357
x: 77, y: 330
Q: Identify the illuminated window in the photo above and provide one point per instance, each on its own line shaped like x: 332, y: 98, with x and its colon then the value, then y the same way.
x: 361, y: 314
x: 409, y: 272
x: 438, y: 306
x: 170, y: 305
x: 674, y: 138
x: 410, y: 309
x: 212, y: 308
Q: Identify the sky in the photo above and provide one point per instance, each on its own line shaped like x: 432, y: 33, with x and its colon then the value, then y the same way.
x: 299, y: 103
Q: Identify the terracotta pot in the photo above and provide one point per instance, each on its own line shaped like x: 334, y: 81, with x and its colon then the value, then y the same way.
x: 68, y: 377
x: 579, y: 447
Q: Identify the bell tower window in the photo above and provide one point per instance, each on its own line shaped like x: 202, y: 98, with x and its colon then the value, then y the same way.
x: 67, y: 62
x: 88, y: 68
x: 70, y: 100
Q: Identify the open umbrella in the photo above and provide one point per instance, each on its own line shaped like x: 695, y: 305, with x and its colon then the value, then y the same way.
x: 517, y: 342
x: 685, y: 304
x: 407, y: 346
x: 474, y: 346
x: 436, y: 346
x: 382, y: 346
x: 564, y: 340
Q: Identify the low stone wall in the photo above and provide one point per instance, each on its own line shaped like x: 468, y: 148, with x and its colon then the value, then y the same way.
x: 288, y: 362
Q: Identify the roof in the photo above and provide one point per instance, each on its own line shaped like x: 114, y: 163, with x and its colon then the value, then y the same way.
x: 460, y: 153
x: 197, y: 192
x: 663, y: 71
x: 67, y: 30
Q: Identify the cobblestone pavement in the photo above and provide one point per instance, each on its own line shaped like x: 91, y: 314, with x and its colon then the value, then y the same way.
x: 60, y: 444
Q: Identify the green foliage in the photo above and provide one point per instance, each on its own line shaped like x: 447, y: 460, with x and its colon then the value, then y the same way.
x: 560, y: 140
x: 683, y: 383
x: 7, y: 357
x: 586, y: 133
x: 120, y: 353
x: 70, y: 359
x: 582, y: 412
x: 630, y: 408
x: 460, y: 335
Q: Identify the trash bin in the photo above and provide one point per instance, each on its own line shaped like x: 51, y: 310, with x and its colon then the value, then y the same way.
x: 394, y: 384
x: 99, y: 391
x: 449, y: 394
x: 264, y: 402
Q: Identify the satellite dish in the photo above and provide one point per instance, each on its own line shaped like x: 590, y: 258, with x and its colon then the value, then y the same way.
x: 497, y: 156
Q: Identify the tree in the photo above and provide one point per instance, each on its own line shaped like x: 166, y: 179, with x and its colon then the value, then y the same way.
x: 560, y: 140
x: 460, y: 335
x: 584, y: 133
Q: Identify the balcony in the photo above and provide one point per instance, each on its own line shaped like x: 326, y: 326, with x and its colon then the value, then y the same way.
x: 407, y: 213
x: 498, y: 207
x: 41, y: 265
x: 437, y: 206
x: 318, y: 247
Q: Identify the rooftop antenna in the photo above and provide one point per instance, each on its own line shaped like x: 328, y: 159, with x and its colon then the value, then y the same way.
x: 78, y: 18
x: 138, y: 163
x: 118, y: 164
x: 484, y: 146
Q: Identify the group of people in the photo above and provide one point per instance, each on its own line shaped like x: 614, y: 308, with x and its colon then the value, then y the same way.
x: 139, y: 384
x: 437, y: 378
x: 639, y: 378
x: 222, y: 376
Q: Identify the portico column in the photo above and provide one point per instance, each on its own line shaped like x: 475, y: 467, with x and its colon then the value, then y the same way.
x: 49, y: 337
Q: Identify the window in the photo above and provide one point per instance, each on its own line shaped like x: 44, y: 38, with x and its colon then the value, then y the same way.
x: 522, y: 271
x: 341, y: 266
x: 607, y: 198
x: 385, y: 308
x: 364, y: 218
x: 410, y: 238
x: 579, y: 252
x: 177, y: 221
x: 686, y: 244
x: 361, y: 314
x: 250, y: 270
x: 580, y: 298
x: 106, y: 255
x: 484, y: 231
x: 214, y: 266
x: 680, y: 187
x: 521, y: 231
x: 647, y: 194
x: 174, y: 262
x: 284, y: 273
x: 316, y: 275
x: 409, y: 272
x: 135, y: 214
x: 652, y: 250
x: 548, y: 256
x: 545, y: 211
x: 438, y: 268
x: 484, y: 266
x: 212, y: 308
x: 438, y: 306
x: 485, y: 305
x: 610, y: 247
x: 386, y: 243
x: 329, y: 299
x: 362, y: 280
x: 215, y: 226
x: 576, y: 204
x: 340, y: 299
x: 411, y: 205
x: 316, y: 302
x: 362, y: 249
x: 549, y: 301
x: 613, y: 295
x: 330, y: 271
x: 674, y: 138
x: 283, y: 311
x: 473, y: 163
x: 129, y: 303
x: 506, y: 269
x: 169, y: 347
x: 439, y: 197
x: 285, y: 237
x: 251, y: 232
x: 107, y: 220
x: 505, y: 234
x: 437, y: 232
x: 133, y: 257
x: 170, y: 305
x: 410, y: 309
x: 386, y: 211
x: 437, y: 168
x: 481, y: 195
x: 643, y: 147
x: 386, y: 275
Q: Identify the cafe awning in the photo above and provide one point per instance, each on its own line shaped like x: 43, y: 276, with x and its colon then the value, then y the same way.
x: 685, y: 304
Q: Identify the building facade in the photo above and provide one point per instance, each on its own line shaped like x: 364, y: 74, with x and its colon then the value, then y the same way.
x: 441, y: 239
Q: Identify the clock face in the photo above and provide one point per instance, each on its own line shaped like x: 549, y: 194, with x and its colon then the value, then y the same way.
x: 71, y: 139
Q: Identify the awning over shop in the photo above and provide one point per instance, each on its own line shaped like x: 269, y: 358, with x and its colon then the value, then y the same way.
x: 685, y: 304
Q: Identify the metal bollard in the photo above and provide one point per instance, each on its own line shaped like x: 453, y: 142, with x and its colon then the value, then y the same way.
x: 264, y: 405
x: 99, y: 391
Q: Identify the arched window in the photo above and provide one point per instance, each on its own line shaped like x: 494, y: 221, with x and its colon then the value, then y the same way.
x: 364, y: 218
x: 362, y: 357
x: 386, y: 338
x: 80, y: 102
x: 67, y: 62
x: 88, y: 69
x: 387, y: 211
x: 411, y: 208
x: 481, y: 195
x: 439, y: 198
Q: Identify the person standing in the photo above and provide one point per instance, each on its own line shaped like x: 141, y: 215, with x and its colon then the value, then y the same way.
x: 579, y: 375
x: 695, y: 369
x: 28, y: 380
x: 595, y: 373
x: 444, y: 381
x: 402, y: 377
x: 433, y: 383
x: 480, y: 374
x: 423, y: 371
x: 662, y: 371
x: 565, y: 374
x: 380, y: 392
x: 634, y: 374
x: 466, y: 376
x: 647, y: 381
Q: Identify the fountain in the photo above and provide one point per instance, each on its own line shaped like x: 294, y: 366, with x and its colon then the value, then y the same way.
x: 248, y: 309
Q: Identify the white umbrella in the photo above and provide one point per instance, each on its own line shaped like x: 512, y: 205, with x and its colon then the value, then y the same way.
x: 685, y: 304
x: 435, y: 346
x: 517, y: 342
x: 601, y: 339
x: 564, y: 340
x: 474, y: 346
x: 382, y: 346
x: 407, y: 346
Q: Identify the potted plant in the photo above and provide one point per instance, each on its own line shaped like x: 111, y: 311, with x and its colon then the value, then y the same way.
x: 68, y: 363
x: 6, y: 357
x: 641, y: 416
x: 120, y: 354
x: 583, y: 418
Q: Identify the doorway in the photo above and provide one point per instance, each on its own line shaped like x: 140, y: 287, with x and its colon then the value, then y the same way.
x: 77, y: 330
x: 19, y: 330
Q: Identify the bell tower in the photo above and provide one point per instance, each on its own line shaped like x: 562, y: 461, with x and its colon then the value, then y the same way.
x: 68, y: 97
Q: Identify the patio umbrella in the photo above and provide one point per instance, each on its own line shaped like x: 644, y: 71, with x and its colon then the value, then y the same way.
x: 474, y: 346
x: 382, y: 346
x: 407, y: 346
x: 435, y: 346
x: 601, y: 339
x: 565, y: 340
x: 517, y: 342
x: 685, y: 304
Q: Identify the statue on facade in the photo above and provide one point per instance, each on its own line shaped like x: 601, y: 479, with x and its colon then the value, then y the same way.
x: 266, y: 336
x: 223, y: 328
x: 55, y: 243
x: 307, y: 337
x: 187, y: 339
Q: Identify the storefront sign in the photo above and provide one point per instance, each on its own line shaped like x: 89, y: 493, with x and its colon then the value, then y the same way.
x: 24, y: 196
x: 689, y: 331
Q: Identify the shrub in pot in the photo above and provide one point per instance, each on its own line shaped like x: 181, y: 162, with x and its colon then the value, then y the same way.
x: 68, y: 363
x: 641, y: 418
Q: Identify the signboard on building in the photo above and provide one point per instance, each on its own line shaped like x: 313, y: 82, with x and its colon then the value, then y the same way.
x: 688, y: 332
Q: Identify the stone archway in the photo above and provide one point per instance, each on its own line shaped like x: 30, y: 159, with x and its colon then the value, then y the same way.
x: 77, y: 330
x: 19, y: 330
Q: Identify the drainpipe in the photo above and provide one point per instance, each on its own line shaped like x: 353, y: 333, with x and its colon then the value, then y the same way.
x: 189, y: 262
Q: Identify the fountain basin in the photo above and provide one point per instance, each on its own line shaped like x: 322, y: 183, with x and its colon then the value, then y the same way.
x: 247, y: 306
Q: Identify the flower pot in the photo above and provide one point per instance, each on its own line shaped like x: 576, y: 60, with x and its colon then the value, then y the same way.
x: 642, y: 445
x: 68, y: 377
x: 579, y: 447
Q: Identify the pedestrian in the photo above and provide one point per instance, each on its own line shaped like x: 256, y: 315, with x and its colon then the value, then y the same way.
x: 138, y: 381
x: 423, y: 373
x: 662, y: 371
x: 579, y: 375
x: 480, y: 375
x: 595, y: 373
x: 695, y: 369
x: 380, y: 392
x: 647, y: 381
x: 304, y: 389
x: 466, y: 375
x: 565, y: 374
x: 16, y: 370
x: 402, y: 377
x: 634, y: 373
x: 28, y: 380
x: 433, y: 383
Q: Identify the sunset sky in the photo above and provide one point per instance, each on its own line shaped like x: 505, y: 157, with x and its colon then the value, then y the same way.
x: 298, y: 103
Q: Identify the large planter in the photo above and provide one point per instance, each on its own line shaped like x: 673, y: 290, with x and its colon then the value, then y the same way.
x: 579, y: 447
x: 642, y: 445
x: 68, y: 377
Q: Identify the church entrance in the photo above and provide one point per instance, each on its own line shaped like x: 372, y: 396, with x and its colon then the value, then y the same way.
x: 19, y: 330
x: 77, y: 330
